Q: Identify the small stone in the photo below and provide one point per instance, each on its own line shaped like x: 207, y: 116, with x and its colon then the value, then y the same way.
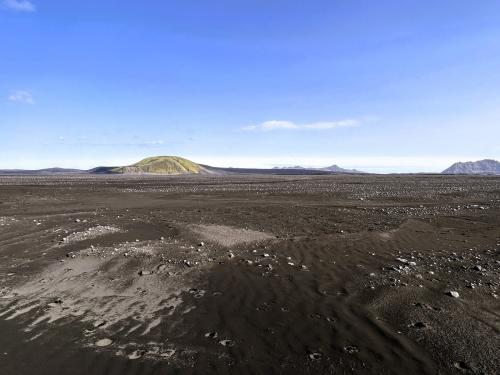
x: 226, y: 342
x: 167, y: 353
x: 144, y: 273
x: 104, y: 342
x: 478, y: 268
x: 315, y: 356
x: 161, y: 267
x: 137, y: 354
x: 453, y: 294
x: 211, y: 335
x: 462, y: 366
x: 351, y: 349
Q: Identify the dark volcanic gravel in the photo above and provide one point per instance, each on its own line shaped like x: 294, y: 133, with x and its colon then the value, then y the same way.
x: 249, y: 275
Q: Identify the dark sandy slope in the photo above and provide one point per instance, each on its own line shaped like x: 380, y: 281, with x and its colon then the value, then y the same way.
x: 296, y: 275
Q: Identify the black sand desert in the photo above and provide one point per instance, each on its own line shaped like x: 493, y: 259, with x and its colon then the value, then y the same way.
x: 249, y: 275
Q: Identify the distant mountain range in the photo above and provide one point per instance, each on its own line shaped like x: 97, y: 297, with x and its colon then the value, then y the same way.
x: 486, y: 166
x: 333, y: 169
x: 175, y: 165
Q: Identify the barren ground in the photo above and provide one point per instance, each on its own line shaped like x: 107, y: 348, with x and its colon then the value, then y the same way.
x: 249, y: 275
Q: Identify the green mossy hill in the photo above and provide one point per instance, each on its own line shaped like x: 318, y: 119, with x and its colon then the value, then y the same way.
x: 162, y: 165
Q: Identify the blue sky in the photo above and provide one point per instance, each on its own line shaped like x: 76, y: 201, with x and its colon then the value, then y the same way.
x: 380, y: 86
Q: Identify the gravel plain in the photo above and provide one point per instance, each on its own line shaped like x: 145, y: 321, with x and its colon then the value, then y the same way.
x: 250, y: 274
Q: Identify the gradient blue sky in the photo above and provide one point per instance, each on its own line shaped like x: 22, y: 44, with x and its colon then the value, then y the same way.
x: 381, y: 86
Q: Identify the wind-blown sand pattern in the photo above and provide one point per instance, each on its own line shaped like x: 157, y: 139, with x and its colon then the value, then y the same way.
x: 228, y: 236
x: 302, y: 275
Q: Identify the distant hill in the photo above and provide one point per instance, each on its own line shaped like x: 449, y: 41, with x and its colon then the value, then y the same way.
x: 162, y: 165
x: 337, y: 169
x: 46, y: 171
x: 486, y: 166
x: 294, y: 167
x: 331, y: 169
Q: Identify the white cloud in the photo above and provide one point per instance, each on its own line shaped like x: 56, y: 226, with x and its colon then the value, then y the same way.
x: 272, y: 125
x: 19, y: 5
x: 21, y: 96
x: 288, y: 125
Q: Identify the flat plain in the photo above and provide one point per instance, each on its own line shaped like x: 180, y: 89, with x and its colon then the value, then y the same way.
x: 343, y: 274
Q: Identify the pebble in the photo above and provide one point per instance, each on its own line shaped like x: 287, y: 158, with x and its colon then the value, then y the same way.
x: 137, y: 354
x: 453, y: 294
x: 227, y: 343
x: 315, y: 356
x: 351, y: 349
x: 104, y: 342
x: 168, y: 353
x: 161, y: 267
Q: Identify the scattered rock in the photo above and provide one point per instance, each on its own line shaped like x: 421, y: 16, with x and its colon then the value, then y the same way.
x: 351, y: 349
x: 161, y: 267
x: 104, y: 342
x: 226, y: 342
x: 211, y: 335
x: 462, y: 366
x: 315, y: 356
x: 453, y: 294
x: 167, y: 353
x: 137, y: 354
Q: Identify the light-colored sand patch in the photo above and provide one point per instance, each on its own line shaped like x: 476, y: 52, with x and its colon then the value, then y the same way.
x: 229, y: 236
x: 105, y: 287
x: 91, y: 233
